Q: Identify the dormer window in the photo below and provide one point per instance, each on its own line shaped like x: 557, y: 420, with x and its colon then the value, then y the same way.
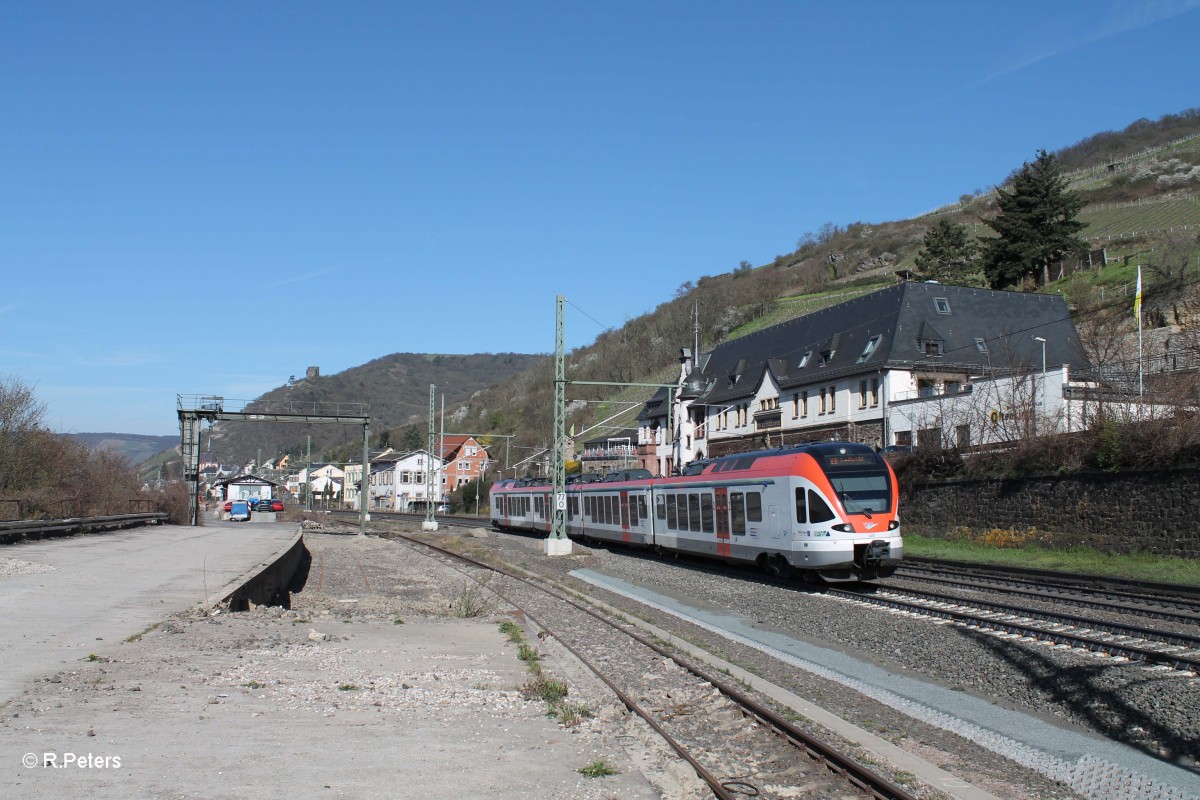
x: 942, y: 305
x: 931, y: 347
x: 869, y: 349
x: 980, y: 345
x: 804, y: 360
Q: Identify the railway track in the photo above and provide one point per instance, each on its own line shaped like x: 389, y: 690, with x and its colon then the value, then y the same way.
x: 1171, y: 648
x: 1180, y: 652
x: 1116, y: 698
x: 1150, y: 599
x: 737, y: 746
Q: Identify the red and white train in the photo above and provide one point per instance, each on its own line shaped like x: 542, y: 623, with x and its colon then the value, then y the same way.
x: 828, y: 509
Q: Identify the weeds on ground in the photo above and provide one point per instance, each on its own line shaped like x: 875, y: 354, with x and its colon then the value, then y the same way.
x: 511, y: 630
x: 473, y: 600
x: 347, y: 687
x: 570, y: 714
x: 528, y: 654
x: 551, y: 691
x: 133, y: 637
x: 597, y: 769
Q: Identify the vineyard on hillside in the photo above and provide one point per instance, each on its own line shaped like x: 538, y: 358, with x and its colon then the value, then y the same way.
x: 1125, y: 220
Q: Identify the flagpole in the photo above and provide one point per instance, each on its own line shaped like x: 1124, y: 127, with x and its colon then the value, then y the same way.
x: 1137, y: 309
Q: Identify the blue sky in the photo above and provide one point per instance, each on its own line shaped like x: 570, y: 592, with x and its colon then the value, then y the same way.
x: 205, y: 198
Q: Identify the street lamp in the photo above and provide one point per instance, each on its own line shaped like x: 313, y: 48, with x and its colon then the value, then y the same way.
x: 1043, y: 341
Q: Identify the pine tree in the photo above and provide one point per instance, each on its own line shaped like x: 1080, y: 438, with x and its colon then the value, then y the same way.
x: 1036, y: 225
x: 948, y: 253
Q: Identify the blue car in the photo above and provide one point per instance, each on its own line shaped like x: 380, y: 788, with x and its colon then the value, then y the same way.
x: 239, y: 511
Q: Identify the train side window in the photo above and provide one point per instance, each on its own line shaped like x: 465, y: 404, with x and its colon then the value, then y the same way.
x: 681, y: 509
x: 642, y: 509
x: 672, y: 518
x: 801, y: 507
x: 818, y: 509
x: 660, y: 506
x: 754, y: 506
x: 737, y: 514
x: 693, y: 512
x: 624, y: 507
x: 706, y: 512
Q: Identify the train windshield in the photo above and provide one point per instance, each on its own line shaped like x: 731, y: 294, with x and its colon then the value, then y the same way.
x: 860, y: 480
x: 862, y: 492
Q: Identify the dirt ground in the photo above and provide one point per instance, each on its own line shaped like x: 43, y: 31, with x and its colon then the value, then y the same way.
x: 369, y: 686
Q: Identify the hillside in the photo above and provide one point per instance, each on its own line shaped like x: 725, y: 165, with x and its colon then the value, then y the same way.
x: 134, y: 447
x: 1141, y: 186
x: 396, y: 386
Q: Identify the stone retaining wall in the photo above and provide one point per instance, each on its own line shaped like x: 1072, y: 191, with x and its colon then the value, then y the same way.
x: 1138, y: 512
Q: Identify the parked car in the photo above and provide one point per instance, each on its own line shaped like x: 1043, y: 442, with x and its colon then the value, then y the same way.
x: 276, y: 505
x: 239, y: 511
x: 254, y: 501
x: 228, y: 506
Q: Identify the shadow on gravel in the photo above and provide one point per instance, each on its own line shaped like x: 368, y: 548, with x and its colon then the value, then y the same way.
x: 1083, y: 689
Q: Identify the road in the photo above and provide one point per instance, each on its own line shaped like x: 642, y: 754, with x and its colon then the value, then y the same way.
x: 86, y: 594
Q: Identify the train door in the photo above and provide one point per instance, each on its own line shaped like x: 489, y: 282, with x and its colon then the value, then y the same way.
x: 625, y: 537
x: 721, y: 502
x: 773, y: 521
x: 548, y: 512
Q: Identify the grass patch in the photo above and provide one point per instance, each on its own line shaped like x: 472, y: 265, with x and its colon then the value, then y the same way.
x: 92, y: 657
x: 135, y: 636
x: 347, y: 687
x: 254, y: 685
x: 570, y: 714
x: 397, y: 621
x: 1079, y: 560
x: 597, y: 769
x: 511, y: 630
x: 473, y: 600
x: 528, y: 654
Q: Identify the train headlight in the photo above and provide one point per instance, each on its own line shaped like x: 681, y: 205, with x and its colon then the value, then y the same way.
x: 845, y: 527
x: 893, y: 525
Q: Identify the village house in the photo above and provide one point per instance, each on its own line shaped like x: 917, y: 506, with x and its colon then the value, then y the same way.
x: 397, y: 480
x: 465, y: 459
x: 917, y: 363
x: 614, y: 451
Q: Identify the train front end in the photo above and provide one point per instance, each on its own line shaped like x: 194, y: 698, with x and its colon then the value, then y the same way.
x: 846, y: 513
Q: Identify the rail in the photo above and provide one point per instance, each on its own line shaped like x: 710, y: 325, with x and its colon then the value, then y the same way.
x: 22, y: 530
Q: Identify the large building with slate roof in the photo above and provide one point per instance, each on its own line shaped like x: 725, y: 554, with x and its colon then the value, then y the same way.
x: 911, y: 364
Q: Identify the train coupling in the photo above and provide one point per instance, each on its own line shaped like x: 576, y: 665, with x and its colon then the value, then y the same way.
x: 872, y: 554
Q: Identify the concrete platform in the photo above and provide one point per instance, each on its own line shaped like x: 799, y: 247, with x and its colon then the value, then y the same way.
x: 104, y: 588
